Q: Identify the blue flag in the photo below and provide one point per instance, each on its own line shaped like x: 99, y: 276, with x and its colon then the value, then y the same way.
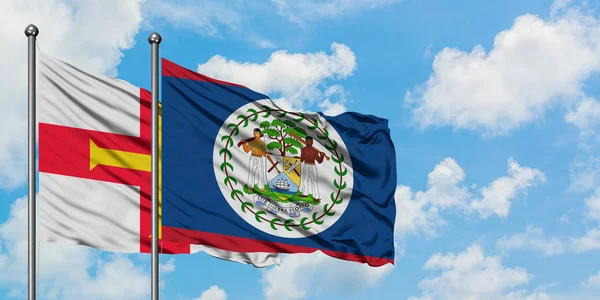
x: 241, y: 174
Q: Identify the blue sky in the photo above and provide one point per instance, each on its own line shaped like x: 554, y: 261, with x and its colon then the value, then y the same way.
x: 493, y: 112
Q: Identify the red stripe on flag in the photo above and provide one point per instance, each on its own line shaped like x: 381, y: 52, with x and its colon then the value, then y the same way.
x: 165, y: 247
x: 171, y: 69
x: 145, y: 116
x: 146, y: 191
x: 168, y: 247
x: 66, y: 151
x: 239, y: 244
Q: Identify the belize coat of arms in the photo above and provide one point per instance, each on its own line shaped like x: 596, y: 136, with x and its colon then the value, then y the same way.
x: 290, y: 169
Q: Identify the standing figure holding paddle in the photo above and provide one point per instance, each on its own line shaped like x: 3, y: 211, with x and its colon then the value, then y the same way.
x: 309, y: 156
x: 257, y: 166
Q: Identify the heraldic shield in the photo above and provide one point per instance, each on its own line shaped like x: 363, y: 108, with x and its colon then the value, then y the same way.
x: 284, y: 176
x: 283, y: 193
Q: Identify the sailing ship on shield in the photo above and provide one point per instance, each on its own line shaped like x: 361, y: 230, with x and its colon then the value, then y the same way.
x: 283, y: 183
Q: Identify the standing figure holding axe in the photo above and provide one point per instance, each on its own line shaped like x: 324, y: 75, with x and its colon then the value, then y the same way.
x: 257, y: 166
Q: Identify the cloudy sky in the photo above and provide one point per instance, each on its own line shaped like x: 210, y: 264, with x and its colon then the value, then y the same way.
x: 493, y: 110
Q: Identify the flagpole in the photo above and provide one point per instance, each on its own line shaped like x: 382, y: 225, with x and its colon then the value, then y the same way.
x: 154, y: 39
x: 31, y: 32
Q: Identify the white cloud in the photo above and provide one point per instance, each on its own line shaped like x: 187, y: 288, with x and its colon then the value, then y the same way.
x: 471, y: 275
x: 83, y: 273
x: 585, y: 116
x: 443, y: 184
x: 66, y: 27
x: 532, y: 239
x: 415, y: 214
x: 204, y: 17
x: 301, y: 275
x: 301, y: 11
x: 559, y: 6
x: 296, y: 77
x: 496, y: 196
x: 534, y: 65
x: 261, y: 42
x: 118, y: 278
x: 216, y: 18
x: 585, y: 174
x: 420, y: 211
x: 213, y: 17
x: 167, y: 267
x: 428, y: 51
x: 593, y: 205
x: 589, y: 242
x: 331, y: 109
x: 524, y: 295
x: 213, y: 293
x: 593, y: 282
x: 334, y: 101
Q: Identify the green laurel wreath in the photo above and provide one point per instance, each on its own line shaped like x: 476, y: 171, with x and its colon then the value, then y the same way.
x: 261, y: 215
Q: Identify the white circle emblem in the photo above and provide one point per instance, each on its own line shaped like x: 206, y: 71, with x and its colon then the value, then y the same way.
x: 286, y: 173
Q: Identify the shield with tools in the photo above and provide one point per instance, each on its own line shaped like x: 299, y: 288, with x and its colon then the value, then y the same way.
x: 283, y: 176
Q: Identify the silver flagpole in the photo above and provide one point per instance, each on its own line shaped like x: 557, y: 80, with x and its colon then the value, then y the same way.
x: 31, y: 32
x: 154, y: 40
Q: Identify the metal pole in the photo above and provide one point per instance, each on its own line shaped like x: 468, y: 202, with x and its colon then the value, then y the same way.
x: 31, y: 32
x: 154, y: 40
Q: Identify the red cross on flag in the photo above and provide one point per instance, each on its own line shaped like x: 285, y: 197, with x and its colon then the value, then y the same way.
x: 94, y: 165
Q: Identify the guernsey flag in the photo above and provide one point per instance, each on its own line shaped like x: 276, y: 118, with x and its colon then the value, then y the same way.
x: 94, y: 165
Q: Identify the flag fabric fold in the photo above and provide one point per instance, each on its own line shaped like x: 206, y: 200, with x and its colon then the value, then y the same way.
x: 242, y: 174
x: 94, y: 164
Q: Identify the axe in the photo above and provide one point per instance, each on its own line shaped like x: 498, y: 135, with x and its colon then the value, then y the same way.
x: 273, y: 165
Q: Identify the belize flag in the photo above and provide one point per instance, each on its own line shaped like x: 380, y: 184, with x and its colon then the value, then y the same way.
x: 242, y: 174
